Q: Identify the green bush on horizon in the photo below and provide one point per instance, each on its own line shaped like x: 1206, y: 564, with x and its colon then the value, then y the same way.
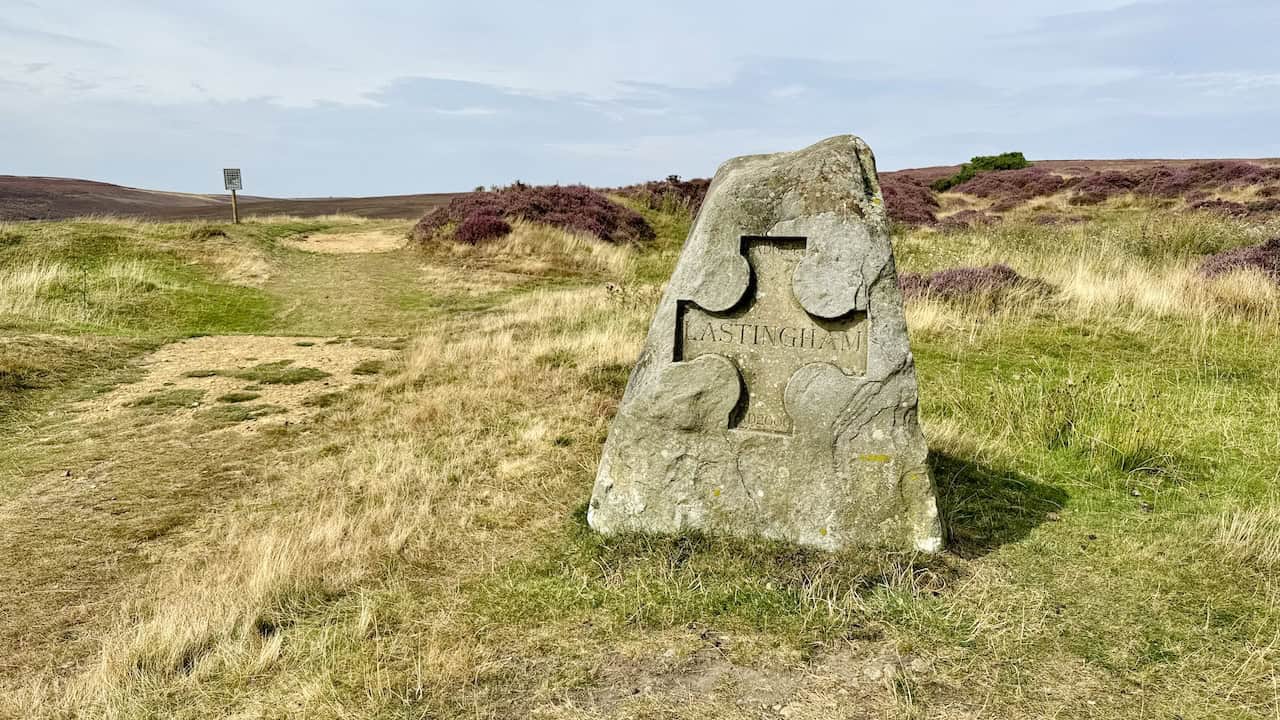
x: 981, y: 164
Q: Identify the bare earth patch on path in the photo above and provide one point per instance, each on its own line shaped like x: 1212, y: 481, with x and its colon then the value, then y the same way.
x: 368, y: 241
x: 117, y: 483
x: 234, y: 379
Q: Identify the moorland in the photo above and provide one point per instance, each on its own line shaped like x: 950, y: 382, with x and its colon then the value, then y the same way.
x: 337, y: 466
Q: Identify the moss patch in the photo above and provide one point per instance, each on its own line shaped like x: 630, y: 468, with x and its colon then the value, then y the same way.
x: 199, y: 373
x: 222, y: 415
x: 280, y: 372
x: 322, y: 400
x: 168, y: 400
x: 370, y: 367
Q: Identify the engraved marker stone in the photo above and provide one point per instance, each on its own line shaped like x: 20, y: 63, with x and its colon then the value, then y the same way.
x: 769, y: 335
x: 776, y: 393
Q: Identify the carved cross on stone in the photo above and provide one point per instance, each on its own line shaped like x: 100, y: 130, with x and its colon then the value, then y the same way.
x: 768, y: 335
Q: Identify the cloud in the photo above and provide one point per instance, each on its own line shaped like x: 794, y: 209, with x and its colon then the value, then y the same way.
x: 15, y: 32
x: 467, y: 111
x: 331, y: 98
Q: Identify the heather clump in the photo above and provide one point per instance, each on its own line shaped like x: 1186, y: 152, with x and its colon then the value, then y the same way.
x: 479, y: 216
x: 1264, y: 257
x: 476, y: 229
x: 1225, y: 207
x: 1098, y: 187
x: 1013, y: 187
x: 966, y: 219
x: 967, y: 282
x: 1260, y: 207
x: 671, y: 194
x: 1166, y: 181
x: 1231, y: 208
x: 908, y: 200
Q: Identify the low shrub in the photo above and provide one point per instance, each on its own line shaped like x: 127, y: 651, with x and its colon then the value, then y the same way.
x: 479, y: 216
x: 982, y: 164
x: 1260, y: 207
x: 669, y: 194
x: 1013, y: 187
x: 475, y: 229
x: 908, y: 200
x: 966, y: 219
x: 1226, y: 207
x: 1264, y: 257
x: 964, y: 282
x: 1234, y: 209
x: 1172, y: 182
x: 1096, y: 188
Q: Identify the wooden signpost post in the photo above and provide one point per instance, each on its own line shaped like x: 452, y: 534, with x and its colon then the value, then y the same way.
x: 231, y: 180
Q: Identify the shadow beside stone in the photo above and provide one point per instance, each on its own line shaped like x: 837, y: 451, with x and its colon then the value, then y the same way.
x: 985, y: 507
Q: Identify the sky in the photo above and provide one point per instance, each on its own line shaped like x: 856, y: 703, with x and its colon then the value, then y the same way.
x: 323, y: 98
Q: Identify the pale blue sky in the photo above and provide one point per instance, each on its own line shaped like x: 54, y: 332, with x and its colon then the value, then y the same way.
x: 340, y: 98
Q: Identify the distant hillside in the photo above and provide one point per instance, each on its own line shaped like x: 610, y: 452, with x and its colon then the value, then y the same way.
x: 1076, y: 167
x: 44, y: 198
x: 906, y: 193
x: 1056, y: 189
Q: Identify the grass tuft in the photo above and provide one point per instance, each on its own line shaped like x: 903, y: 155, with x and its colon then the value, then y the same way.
x: 1251, y: 536
x: 221, y: 415
x: 169, y: 400
x: 370, y: 367
x: 279, y: 372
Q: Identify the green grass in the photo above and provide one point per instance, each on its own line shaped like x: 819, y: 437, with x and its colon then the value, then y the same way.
x: 169, y: 400
x: 370, y: 367
x: 200, y: 373
x: 238, y: 396
x: 279, y: 372
x: 87, y: 277
x: 231, y: 414
x: 322, y: 400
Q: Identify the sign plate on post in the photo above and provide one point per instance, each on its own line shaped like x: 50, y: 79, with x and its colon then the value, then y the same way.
x: 231, y: 178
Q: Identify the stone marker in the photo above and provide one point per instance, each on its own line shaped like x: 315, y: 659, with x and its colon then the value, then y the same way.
x: 776, y: 393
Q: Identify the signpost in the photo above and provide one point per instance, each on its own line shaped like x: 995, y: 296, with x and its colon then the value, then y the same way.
x: 231, y: 180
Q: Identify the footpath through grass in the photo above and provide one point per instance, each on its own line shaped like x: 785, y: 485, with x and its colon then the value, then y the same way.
x: 1106, y: 456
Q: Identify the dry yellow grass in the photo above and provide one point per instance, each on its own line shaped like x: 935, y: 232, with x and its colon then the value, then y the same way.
x: 1138, y: 268
x: 1252, y: 536
x: 356, y: 573
x: 56, y: 292
x: 396, y: 490
x: 537, y: 248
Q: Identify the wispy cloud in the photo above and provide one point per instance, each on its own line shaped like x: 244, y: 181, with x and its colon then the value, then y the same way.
x: 467, y: 111
x: 14, y: 32
x: 393, y: 96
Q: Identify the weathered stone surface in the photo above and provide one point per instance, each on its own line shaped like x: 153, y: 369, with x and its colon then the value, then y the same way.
x: 776, y: 393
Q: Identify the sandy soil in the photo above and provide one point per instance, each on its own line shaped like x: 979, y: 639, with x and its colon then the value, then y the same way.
x: 369, y: 241
x: 207, y: 366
